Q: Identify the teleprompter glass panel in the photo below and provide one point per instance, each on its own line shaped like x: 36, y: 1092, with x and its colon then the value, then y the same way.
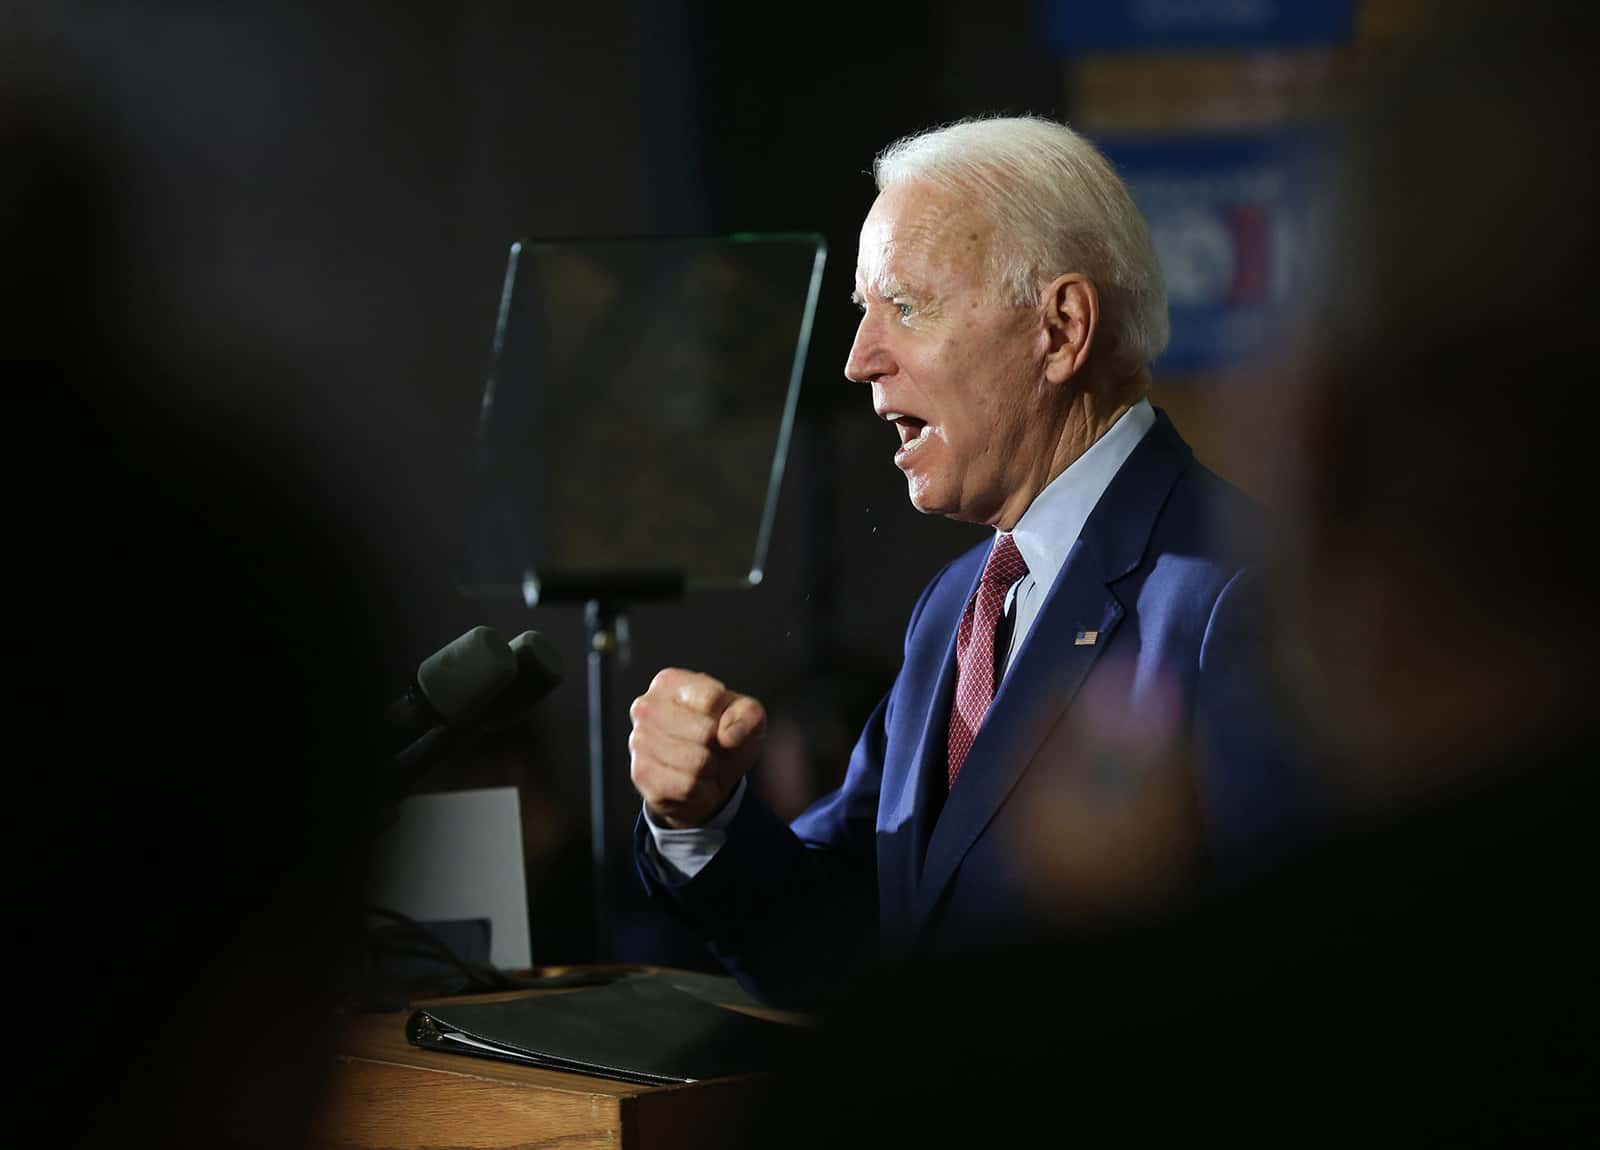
x: 637, y: 413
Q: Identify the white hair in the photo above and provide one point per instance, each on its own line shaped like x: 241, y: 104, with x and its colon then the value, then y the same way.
x: 1057, y: 206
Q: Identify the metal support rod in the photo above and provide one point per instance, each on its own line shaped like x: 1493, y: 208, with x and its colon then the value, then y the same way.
x: 599, y: 620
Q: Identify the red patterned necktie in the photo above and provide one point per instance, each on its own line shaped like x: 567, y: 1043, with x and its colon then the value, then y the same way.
x: 975, y: 648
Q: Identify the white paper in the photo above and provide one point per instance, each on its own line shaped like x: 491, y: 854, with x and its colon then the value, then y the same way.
x: 458, y: 855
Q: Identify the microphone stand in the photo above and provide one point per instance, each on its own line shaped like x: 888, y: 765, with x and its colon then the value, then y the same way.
x: 605, y: 596
x: 606, y: 628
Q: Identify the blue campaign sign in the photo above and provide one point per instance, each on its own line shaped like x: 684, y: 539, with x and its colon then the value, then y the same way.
x: 1076, y: 27
x: 1233, y: 219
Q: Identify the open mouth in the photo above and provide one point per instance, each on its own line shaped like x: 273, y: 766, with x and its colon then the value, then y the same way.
x: 911, y: 429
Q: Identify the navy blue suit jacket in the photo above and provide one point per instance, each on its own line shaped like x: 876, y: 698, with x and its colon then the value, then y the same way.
x: 1158, y: 576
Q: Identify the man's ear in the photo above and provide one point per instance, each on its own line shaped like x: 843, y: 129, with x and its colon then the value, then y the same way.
x: 1071, y: 321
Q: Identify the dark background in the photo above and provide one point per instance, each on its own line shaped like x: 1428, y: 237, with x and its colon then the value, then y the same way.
x: 311, y: 207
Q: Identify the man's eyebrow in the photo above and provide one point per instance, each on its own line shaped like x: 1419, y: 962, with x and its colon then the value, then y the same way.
x: 884, y: 287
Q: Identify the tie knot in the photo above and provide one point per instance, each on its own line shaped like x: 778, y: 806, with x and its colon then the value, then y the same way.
x: 1005, y: 564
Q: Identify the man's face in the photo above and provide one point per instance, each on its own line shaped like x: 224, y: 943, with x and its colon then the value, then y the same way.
x: 955, y: 369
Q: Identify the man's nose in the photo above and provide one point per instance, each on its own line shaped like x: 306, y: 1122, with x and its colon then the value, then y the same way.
x: 869, y: 359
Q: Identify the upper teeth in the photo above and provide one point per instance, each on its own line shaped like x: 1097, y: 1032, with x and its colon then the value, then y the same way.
x: 891, y: 416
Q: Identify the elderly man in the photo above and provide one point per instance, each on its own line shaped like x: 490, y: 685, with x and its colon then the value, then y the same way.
x: 1101, y: 646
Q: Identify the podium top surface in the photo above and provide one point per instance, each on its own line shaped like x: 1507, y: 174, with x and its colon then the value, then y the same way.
x: 386, y: 1093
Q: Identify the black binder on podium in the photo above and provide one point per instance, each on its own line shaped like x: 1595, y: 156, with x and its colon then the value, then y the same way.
x: 655, y: 1028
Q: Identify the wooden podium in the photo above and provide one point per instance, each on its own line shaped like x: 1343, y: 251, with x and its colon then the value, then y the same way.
x: 386, y: 1093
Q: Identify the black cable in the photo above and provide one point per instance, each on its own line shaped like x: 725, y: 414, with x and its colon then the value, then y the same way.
x: 482, y: 976
x: 479, y: 975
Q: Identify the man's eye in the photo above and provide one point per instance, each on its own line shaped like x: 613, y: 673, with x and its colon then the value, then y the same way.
x: 905, y: 310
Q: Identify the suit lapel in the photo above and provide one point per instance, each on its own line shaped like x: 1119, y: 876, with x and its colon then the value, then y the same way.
x: 1050, y: 666
x: 917, y: 740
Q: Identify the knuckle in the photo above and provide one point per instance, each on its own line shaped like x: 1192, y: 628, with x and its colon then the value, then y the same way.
x: 664, y: 679
x: 701, y: 693
x: 755, y: 713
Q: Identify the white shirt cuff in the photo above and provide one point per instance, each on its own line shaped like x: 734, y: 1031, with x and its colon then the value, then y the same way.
x: 679, y: 855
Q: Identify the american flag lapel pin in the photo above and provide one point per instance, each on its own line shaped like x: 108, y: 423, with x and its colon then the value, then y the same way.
x: 1086, y: 639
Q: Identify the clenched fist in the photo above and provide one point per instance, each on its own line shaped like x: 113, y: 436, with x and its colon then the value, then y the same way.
x: 692, y: 741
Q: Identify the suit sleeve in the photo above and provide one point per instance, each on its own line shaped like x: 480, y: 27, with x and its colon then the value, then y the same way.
x: 1255, y: 791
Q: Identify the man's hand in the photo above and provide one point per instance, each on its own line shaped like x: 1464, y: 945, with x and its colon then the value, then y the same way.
x: 692, y: 741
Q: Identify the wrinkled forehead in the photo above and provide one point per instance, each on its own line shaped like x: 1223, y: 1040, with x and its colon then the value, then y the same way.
x: 922, y: 231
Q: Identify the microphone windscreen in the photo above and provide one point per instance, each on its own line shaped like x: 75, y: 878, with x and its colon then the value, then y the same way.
x: 466, y: 672
x: 538, y: 673
x: 538, y: 661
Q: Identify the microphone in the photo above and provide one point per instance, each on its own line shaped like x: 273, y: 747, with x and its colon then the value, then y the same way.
x: 477, y: 684
x: 456, y: 680
x: 538, y: 673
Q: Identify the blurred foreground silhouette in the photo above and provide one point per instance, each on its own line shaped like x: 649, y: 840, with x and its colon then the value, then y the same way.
x: 196, y: 682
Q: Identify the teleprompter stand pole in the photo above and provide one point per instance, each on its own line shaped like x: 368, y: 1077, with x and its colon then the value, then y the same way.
x: 604, y: 596
x: 606, y: 629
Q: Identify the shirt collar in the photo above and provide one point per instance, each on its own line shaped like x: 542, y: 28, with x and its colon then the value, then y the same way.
x: 1050, y: 525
